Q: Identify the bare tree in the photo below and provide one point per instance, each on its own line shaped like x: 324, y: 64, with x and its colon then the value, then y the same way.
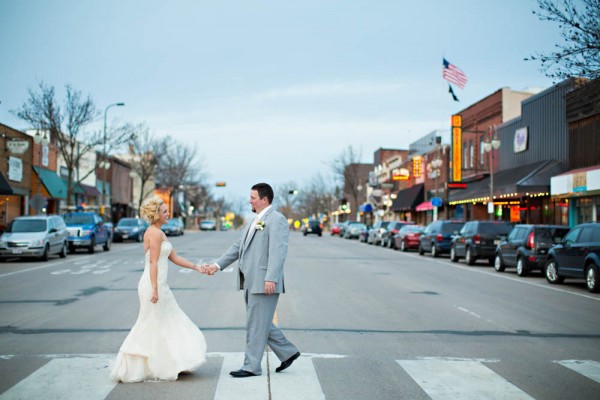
x: 579, y: 56
x: 287, y: 196
x: 145, y: 154
x: 346, y: 168
x: 178, y: 164
x: 318, y: 197
x: 66, y: 126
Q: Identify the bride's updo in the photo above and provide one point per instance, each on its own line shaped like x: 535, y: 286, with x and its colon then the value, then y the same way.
x: 149, y: 210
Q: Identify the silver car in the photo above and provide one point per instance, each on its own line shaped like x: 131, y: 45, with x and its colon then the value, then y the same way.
x: 35, y: 236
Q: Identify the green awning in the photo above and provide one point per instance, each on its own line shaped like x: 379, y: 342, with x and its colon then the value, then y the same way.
x: 54, y: 184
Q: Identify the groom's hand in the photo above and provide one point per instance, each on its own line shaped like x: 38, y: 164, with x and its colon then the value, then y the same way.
x: 270, y: 287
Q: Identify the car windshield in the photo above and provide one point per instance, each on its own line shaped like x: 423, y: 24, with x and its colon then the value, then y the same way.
x: 172, y: 222
x: 207, y: 222
x: 78, y: 219
x: 500, y: 229
x: 27, y: 225
x: 551, y: 235
x: 384, y: 224
x: 127, y: 222
x: 451, y: 227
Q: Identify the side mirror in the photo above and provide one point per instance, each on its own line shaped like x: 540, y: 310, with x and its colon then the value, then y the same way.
x: 53, y: 230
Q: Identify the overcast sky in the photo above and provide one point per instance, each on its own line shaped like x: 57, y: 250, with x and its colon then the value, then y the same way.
x: 272, y: 90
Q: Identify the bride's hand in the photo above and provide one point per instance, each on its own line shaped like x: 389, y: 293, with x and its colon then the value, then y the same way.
x: 154, y: 298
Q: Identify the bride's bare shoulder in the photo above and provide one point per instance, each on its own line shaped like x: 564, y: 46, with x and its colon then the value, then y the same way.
x: 153, y: 235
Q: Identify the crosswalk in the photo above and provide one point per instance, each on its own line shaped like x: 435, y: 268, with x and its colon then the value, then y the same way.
x: 85, y: 376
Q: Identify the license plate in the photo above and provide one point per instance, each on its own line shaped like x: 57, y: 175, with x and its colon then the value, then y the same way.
x: 309, y: 230
x: 125, y: 236
x: 497, y: 241
x: 17, y: 251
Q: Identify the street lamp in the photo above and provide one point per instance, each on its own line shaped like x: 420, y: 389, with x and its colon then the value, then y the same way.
x: 105, y: 164
x: 38, y: 201
x: 489, y: 146
x: 435, y: 172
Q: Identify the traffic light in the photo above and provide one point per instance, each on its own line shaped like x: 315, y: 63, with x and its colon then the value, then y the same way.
x: 220, y: 184
x: 344, y: 204
x: 456, y: 122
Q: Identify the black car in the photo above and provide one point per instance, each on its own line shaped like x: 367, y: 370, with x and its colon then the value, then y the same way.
x: 314, y: 227
x: 577, y: 256
x: 438, y: 235
x: 130, y: 228
x: 527, y: 246
x: 387, y: 239
x: 479, y: 239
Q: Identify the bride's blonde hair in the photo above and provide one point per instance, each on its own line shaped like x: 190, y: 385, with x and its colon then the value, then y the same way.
x: 150, y: 208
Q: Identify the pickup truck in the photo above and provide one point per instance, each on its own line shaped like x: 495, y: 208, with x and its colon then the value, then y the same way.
x: 87, y: 230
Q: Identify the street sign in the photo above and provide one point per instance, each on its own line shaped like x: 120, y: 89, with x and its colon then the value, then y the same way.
x: 436, y: 201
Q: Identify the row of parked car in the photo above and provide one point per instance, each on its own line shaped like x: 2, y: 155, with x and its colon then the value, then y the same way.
x: 44, y: 235
x: 557, y: 251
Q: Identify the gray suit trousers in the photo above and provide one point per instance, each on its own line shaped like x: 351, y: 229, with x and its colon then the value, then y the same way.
x: 260, y: 331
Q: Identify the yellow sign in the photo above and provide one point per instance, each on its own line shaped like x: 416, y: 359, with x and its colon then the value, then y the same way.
x: 456, y: 154
x: 456, y: 121
x: 417, y: 166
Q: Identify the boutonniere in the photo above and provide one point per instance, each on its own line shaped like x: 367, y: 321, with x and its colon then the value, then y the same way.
x: 260, y: 225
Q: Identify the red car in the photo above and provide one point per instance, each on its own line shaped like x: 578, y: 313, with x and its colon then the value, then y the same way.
x: 408, y: 237
x: 335, y: 229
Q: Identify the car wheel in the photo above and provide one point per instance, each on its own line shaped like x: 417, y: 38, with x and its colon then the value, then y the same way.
x: 498, y: 264
x: 63, y: 251
x: 469, y: 257
x: 551, y: 272
x: 521, y: 268
x: 434, y: 251
x: 44, y: 256
x: 92, y: 247
x: 71, y: 249
x: 403, y: 246
x: 320, y: 234
x: 421, y: 251
x: 393, y: 244
x: 591, y: 278
x: 453, y: 256
x: 106, y: 246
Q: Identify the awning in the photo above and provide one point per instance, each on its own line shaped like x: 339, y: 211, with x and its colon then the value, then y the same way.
x: 4, y: 186
x: 367, y: 207
x: 90, y: 191
x: 531, y: 178
x: 408, y: 199
x: 56, y: 187
x: 425, y: 206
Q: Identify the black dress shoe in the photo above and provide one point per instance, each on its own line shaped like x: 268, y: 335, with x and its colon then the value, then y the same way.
x: 240, y: 373
x: 287, y: 362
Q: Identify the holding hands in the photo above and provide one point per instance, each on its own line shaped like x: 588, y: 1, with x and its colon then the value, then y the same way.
x: 207, y: 269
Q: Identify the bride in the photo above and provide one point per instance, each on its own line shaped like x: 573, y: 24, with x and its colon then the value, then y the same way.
x: 164, y: 341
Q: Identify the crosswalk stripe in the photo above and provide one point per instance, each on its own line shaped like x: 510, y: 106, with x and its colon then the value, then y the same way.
x: 237, y: 388
x: 299, y: 382
x: 590, y: 369
x: 460, y: 379
x: 72, y: 378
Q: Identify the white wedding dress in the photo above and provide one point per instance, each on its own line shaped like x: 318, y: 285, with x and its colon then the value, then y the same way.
x: 164, y: 341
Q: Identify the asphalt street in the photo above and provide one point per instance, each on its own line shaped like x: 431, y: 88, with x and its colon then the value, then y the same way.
x: 371, y: 322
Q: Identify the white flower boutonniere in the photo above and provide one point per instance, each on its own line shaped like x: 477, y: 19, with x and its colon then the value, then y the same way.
x: 260, y: 225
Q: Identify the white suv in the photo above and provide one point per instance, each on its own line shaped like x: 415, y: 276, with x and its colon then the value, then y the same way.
x: 34, y: 236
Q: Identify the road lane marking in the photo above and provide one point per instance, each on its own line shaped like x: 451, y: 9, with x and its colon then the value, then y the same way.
x: 587, y: 368
x: 460, y: 380
x: 299, y: 382
x: 503, y: 276
x: 228, y: 387
x: 72, y: 378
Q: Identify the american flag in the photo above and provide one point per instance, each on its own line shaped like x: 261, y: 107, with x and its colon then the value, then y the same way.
x: 453, y: 74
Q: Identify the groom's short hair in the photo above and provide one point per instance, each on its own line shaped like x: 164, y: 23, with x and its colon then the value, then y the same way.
x: 264, y: 190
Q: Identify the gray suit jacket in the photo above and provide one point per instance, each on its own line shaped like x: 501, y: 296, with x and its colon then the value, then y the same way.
x: 262, y: 257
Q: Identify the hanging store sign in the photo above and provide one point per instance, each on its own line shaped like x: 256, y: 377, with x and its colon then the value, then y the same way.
x: 15, y: 169
x: 521, y: 137
x: 17, y: 146
x: 456, y: 122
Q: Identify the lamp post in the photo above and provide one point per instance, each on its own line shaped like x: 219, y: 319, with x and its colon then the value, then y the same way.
x: 105, y: 163
x: 435, y: 172
x: 38, y: 201
x: 489, y: 146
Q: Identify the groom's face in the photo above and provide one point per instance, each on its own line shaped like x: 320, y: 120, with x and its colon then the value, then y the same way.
x: 256, y: 202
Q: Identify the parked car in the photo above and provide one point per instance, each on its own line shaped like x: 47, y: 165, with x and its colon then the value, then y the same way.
x: 208, y: 225
x: 87, y: 230
x: 576, y: 256
x: 479, y: 239
x: 314, y: 227
x: 354, y: 229
x: 343, y: 227
x: 364, y: 234
x: 387, y: 238
x: 35, y: 236
x: 527, y: 246
x: 130, y: 228
x: 437, y: 237
x: 173, y: 227
x: 335, y: 229
x: 376, y: 232
x: 408, y: 237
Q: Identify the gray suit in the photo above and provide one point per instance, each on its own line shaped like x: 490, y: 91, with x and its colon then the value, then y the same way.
x: 261, y: 258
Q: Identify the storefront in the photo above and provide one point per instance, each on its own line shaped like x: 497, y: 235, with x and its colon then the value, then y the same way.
x: 406, y: 201
x: 579, y: 191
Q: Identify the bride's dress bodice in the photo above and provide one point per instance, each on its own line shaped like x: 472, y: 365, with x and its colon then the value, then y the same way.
x: 163, y: 263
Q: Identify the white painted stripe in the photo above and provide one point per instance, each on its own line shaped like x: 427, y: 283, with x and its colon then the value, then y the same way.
x: 588, y: 368
x: 298, y: 382
x: 461, y: 380
x: 72, y: 378
x: 255, y: 387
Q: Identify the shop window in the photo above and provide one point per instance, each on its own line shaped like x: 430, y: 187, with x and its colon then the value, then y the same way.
x: 471, y: 153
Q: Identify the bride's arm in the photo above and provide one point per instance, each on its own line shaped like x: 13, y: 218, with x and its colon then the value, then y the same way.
x: 155, y: 239
x: 182, y: 262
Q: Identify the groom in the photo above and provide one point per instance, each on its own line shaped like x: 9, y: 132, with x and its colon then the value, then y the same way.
x: 261, y: 253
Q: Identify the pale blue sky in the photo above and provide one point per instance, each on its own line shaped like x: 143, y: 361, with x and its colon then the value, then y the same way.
x: 272, y: 90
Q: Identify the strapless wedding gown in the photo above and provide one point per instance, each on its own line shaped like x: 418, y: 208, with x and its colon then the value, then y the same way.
x: 164, y: 341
